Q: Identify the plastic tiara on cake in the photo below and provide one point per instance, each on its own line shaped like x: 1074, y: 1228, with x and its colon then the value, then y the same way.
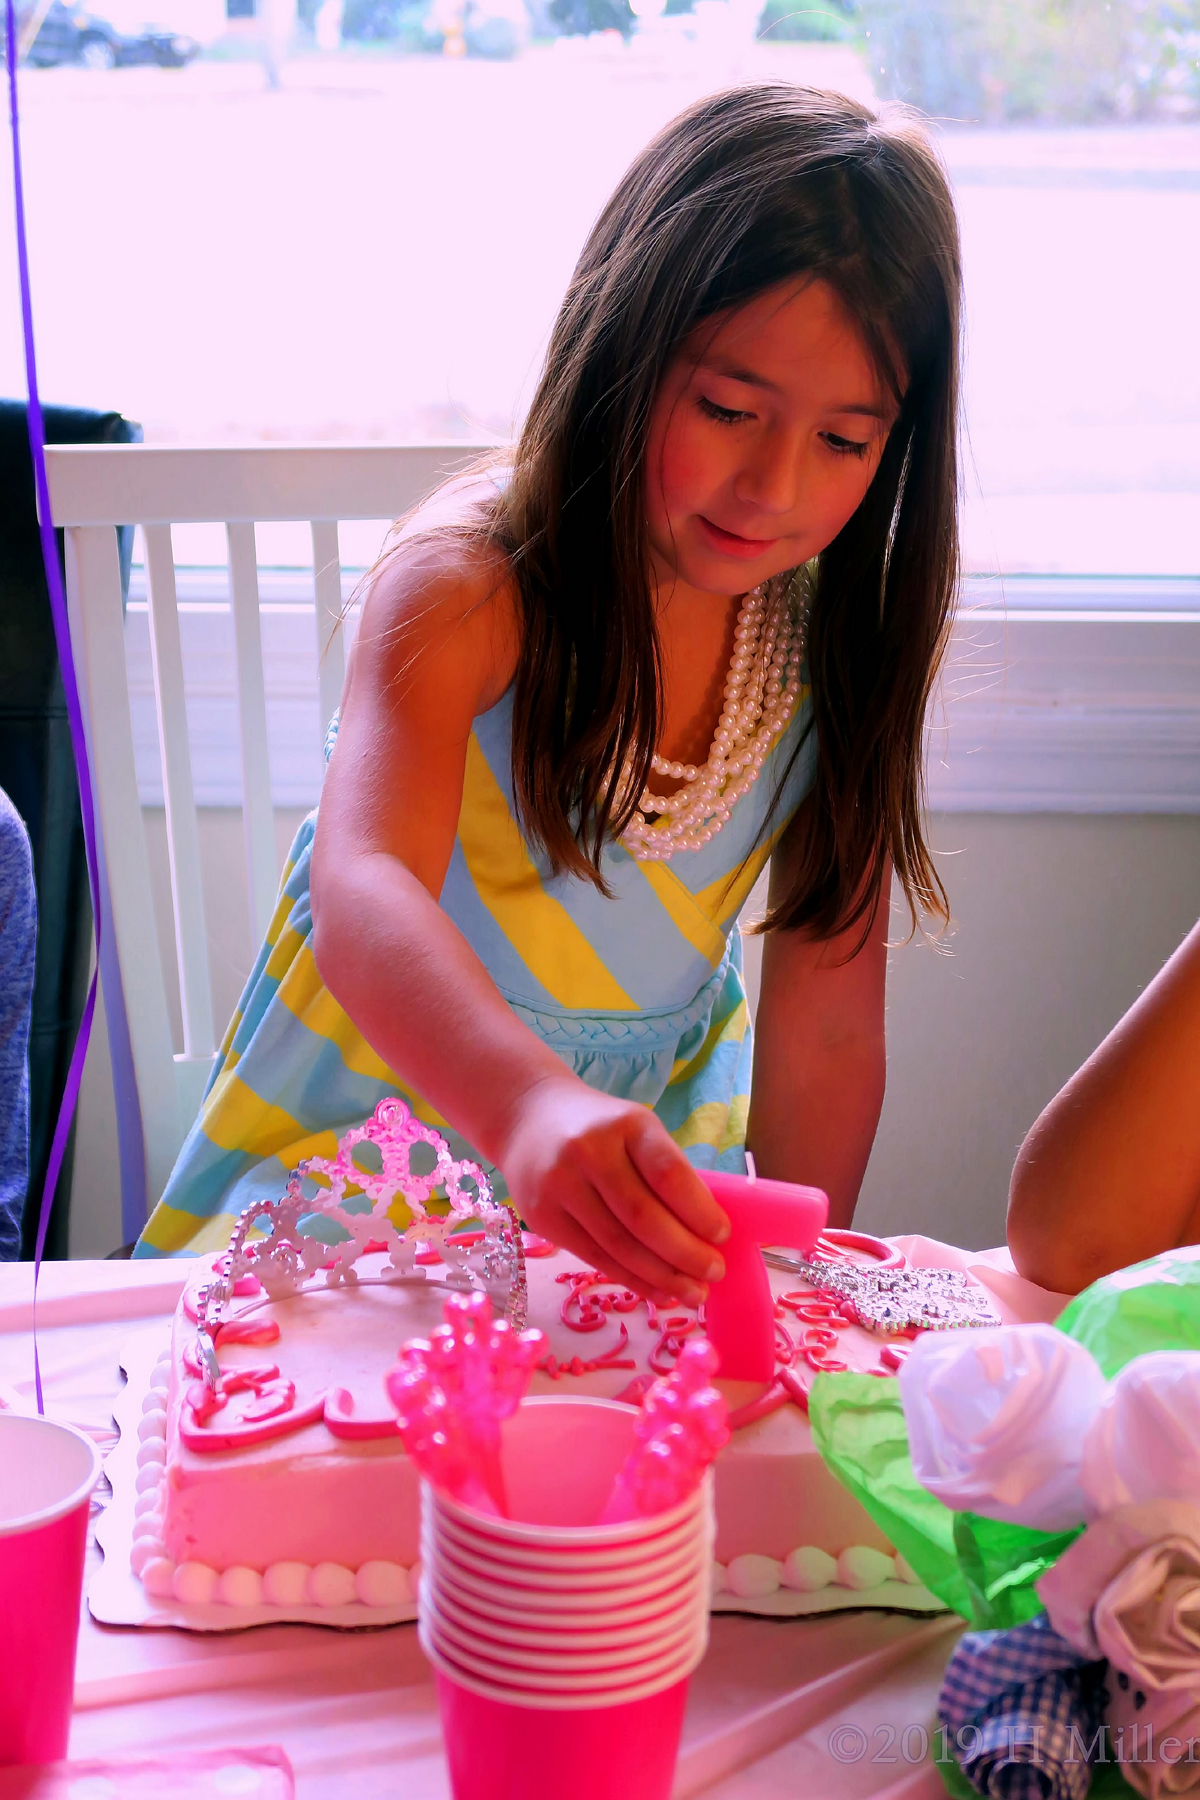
x: 287, y: 1256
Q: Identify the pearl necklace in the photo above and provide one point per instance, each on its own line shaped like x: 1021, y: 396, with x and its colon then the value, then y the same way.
x: 762, y: 688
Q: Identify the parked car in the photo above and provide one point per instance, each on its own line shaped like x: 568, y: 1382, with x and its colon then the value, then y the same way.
x: 69, y: 35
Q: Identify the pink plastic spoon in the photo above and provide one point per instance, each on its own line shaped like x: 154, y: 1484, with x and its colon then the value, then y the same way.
x: 681, y: 1427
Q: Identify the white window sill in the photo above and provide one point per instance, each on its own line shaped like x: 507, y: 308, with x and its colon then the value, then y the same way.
x: 1060, y: 694
x: 1070, y: 694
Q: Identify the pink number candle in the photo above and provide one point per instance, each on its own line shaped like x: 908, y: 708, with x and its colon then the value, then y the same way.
x: 740, y: 1314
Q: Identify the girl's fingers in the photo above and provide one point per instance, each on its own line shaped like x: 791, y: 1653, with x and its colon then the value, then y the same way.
x: 592, y: 1208
x: 669, y: 1174
x: 636, y: 1208
x: 570, y: 1235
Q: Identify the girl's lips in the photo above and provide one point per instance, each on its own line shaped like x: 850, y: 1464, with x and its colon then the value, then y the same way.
x: 730, y: 544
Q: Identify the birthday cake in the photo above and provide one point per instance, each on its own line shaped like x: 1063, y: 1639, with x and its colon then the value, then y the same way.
x: 271, y: 1469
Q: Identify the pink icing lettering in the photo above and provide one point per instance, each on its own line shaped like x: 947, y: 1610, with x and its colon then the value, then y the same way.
x: 246, y: 1331
x: 835, y: 1245
x: 237, y: 1331
x: 253, y: 1378
x: 817, y: 1340
x: 611, y: 1359
x: 810, y: 1308
x: 794, y: 1388
x: 273, y: 1396
x: 197, y: 1436
x: 204, y: 1401
x: 665, y: 1353
x: 344, y: 1422
x: 775, y: 1397
x: 635, y: 1391
x: 589, y: 1299
x: 276, y: 1398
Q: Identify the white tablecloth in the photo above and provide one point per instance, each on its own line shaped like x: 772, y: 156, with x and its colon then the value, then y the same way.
x: 829, y: 1708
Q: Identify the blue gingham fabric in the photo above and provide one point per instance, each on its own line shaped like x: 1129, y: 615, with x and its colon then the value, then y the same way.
x: 1021, y: 1710
x: 18, y: 948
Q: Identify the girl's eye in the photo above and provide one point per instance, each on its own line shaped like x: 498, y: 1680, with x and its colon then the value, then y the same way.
x: 722, y: 415
x: 845, y: 446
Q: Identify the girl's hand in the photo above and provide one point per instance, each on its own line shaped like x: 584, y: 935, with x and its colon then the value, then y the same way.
x: 604, y: 1179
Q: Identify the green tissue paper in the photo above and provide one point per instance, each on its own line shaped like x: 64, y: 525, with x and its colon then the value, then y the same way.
x: 1154, y: 1305
x: 981, y: 1569
x: 858, y: 1427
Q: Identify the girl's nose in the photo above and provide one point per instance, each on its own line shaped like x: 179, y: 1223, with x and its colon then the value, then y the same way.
x: 770, y: 481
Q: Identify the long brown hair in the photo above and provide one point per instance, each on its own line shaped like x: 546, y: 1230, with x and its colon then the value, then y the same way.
x: 744, y: 190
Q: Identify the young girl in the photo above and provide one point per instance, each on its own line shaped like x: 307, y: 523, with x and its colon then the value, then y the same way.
x: 692, y: 626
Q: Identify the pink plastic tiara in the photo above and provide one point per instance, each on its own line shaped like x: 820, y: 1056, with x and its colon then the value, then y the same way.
x: 489, y: 1257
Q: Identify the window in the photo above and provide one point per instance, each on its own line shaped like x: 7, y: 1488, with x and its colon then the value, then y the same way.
x: 353, y: 219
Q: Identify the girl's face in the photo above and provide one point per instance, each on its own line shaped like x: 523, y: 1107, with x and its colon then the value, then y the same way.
x: 764, y: 438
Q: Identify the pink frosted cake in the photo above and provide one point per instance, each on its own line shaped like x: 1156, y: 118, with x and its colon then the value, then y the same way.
x: 270, y: 1468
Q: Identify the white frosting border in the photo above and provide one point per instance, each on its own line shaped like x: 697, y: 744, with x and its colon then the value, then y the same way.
x: 116, y: 1595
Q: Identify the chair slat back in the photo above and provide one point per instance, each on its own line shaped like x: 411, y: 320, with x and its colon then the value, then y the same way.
x: 98, y: 638
x: 96, y: 487
x: 258, y: 819
x: 183, y: 832
x: 327, y: 588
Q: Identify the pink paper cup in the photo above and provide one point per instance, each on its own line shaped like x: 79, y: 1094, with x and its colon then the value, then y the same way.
x: 560, y: 1457
x: 515, y: 1691
x: 581, y: 1687
x: 488, y: 1615
x: 562, y: 1647
x: 47, y: 1473
x: 589, y: 1560
x: 565, y: 1612
x: 538, y: 1589
x: 498, y: 1751
x: 533, y: 1587
x: 549, y: 1654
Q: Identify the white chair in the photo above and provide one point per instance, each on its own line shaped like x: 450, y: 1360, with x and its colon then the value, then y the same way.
x: 92, y: 490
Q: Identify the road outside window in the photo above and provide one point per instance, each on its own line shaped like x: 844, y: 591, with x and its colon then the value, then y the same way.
x: 353, y: 219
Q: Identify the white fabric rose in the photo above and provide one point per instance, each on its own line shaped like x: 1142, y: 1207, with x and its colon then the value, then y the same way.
x: 1155, y: 1736
x: 1144, y: 1443
x: 1129, y: 1590
x: 996, y: 1420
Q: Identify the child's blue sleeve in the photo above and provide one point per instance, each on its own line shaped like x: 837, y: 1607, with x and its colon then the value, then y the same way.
x: 18, y: 944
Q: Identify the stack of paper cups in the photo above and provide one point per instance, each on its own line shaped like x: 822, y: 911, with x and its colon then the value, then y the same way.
x: 561, y: 1647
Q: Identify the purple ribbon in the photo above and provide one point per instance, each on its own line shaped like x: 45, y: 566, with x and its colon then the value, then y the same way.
x: 62, y: 636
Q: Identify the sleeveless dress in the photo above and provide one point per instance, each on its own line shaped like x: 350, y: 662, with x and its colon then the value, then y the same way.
x: 641, y: 994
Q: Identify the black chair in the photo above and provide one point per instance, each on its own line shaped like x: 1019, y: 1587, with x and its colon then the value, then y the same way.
x: 37, y: 770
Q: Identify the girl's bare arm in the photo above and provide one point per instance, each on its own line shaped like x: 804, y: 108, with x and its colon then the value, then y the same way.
x: 1110, y: 1173
x: 437, y: 646
x: 820, y: 1061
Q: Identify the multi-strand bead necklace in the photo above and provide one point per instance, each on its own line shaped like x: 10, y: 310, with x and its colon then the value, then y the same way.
x: 762, y: 688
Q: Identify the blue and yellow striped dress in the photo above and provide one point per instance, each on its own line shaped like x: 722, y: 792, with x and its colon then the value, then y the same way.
x: 640, y: 994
